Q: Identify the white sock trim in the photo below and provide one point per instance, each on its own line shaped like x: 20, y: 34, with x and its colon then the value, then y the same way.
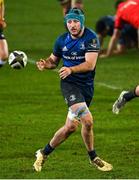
x: 2, y: 62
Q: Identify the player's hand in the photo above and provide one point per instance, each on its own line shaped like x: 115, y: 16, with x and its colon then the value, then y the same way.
x: 64, y: 72
x: 2, y: 24
x: 41, y: 64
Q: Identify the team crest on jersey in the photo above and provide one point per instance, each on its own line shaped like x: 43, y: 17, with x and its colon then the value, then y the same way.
x: 72, y: 97
x: 82, y: 46
x: 93, y: 43
x: 64, y: 48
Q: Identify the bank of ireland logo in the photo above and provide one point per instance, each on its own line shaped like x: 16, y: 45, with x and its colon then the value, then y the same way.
x: 74, y: 53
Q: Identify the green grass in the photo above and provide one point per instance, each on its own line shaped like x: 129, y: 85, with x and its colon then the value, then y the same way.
x: 32, y: 108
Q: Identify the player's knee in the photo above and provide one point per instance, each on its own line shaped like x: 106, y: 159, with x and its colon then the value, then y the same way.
x: 88, y: 124
x: 70, y: 129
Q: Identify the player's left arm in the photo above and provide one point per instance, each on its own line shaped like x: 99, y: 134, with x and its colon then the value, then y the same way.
x: 88, y: 65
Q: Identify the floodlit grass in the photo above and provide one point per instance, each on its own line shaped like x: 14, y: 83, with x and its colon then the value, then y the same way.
x: 32, y: 108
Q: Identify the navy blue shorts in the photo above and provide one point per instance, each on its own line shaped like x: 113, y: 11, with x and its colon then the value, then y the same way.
x: 74, y: 93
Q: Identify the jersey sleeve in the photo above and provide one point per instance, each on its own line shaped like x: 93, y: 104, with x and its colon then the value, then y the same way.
x: 118, y: 22
x: 57, y: 48
x: 93, y: 45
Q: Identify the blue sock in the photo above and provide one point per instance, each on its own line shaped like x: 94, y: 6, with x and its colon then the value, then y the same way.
x: 130, y: 95
x: 48, y: 149
x: 92, y: 154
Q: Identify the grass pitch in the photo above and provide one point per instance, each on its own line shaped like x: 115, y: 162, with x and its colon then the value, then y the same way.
x: 32, y: 108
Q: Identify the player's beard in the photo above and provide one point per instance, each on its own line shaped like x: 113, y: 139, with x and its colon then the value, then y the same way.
x: 78, y: 34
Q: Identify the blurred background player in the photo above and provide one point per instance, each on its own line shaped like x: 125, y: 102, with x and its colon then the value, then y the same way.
x: 125, y: 97
x: 127, y: 39
x: 3, y: 42
x: 67, y: 4
x: 127, y: 12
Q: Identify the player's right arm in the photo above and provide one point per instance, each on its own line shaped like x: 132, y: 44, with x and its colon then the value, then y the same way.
x: 50, y: 63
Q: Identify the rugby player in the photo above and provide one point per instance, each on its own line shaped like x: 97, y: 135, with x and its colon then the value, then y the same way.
x: 127, y: 12
x: 78, y: 48
x: 123, y: 98
x: 127, y: 39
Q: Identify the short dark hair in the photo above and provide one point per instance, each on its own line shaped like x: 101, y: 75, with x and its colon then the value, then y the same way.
x: 100, y: 26
x: 117, y: 3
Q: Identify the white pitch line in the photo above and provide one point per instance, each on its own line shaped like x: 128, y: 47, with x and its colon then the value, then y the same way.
x: 108, y: 85
x: 31, y: 61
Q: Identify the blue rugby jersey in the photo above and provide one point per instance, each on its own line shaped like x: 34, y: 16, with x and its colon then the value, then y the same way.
x: 72, y: 52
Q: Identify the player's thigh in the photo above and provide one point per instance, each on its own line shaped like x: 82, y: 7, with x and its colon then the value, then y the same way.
x: 87, y: 119
x: 88, y: 92
x: 80, y: 112
x: 73, y: 123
